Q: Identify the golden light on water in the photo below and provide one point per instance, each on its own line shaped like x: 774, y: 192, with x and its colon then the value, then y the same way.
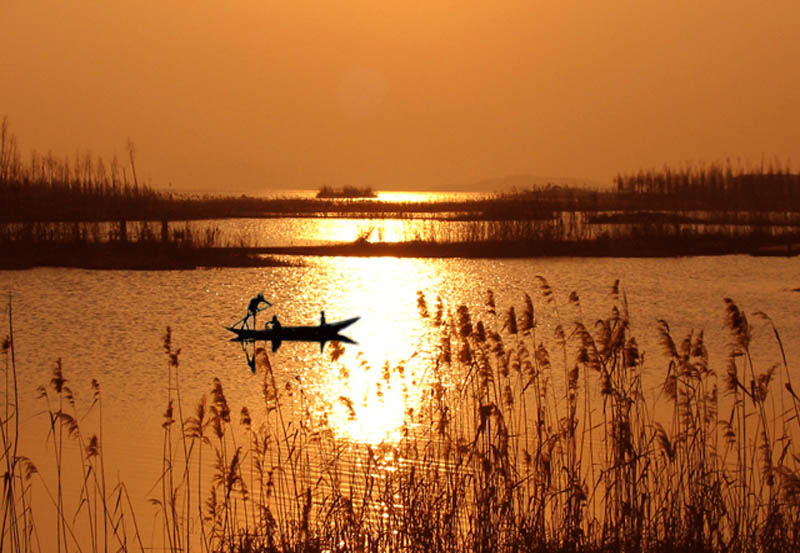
x: 368, y: 405
x: 411, y: 196
x: 372, y: 389
x: 371, y: 230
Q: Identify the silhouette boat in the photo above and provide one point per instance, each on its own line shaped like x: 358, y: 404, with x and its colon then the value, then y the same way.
x: 276, y: 333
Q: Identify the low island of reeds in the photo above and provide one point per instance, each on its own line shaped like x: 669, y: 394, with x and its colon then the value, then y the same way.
x: 346, y: 192
x: 534, y: 434
x: 137, y: 246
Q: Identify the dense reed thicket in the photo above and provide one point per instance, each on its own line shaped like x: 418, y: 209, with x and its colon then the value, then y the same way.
x: 46, y: 187
x: 87, y: 188
x: 533, y: 434
x: 125, y: 245
x: 768, y: 187
x: 346, y: 192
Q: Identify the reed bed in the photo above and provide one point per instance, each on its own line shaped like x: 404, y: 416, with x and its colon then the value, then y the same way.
x: 125, y: 245
x: 770, y: 186
x: 56, y: 202
x: 570, y: 233
x: 574, y: 233
x: 33, y: 234
x: 347, y: 192
x: 44, y: 187
x: 534, y: 432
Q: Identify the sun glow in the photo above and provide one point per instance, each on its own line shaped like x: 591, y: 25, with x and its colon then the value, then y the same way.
x: 372, y: 390
x: 369, y: 405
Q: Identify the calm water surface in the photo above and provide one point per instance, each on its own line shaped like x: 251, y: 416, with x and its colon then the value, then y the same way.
x: 109, y: 326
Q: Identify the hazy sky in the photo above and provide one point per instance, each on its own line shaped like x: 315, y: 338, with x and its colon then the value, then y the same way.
x: 258, y: 94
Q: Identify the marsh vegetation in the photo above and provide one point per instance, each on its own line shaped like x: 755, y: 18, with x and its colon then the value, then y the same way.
x: 346, y: 192
x: 548, y: 439
x: 51, y: 205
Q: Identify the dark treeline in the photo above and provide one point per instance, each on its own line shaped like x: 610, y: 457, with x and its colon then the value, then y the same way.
x: 769, y: 187
x: 46, y: 187
x: 88, y: 205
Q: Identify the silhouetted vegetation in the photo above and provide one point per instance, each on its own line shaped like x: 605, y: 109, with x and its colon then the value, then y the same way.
x: 571, y: 234
x: 123, y: 245
x: 49, y: 188
x: 769, y: 187
x: 346, y: 192
x: 535, y: 433
x: 86, y: 188
x: 55, y: 205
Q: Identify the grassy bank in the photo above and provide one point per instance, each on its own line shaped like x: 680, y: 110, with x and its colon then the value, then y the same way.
x: 534, y: 434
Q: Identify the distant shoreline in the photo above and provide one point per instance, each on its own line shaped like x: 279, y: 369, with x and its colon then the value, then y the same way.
x: 499, y: 250
x: 136, y: 257
x: 155, y: 257
x: 113, y: 224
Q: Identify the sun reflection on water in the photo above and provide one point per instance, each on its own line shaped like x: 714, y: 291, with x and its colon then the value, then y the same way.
x: 409, y: 196
x: 369, y: 390
x: 368, y: 405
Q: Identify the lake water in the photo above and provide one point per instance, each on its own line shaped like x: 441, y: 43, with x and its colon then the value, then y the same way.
x: 109, y: 326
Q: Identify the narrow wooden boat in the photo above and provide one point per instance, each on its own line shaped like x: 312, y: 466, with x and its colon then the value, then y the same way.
x: 277, y: 333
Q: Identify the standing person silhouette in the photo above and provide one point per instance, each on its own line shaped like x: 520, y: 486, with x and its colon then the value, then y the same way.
x: 254, y: 307
x: 251, y: 361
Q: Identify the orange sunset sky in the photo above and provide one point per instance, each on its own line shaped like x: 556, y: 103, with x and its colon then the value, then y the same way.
x: 253, y: 95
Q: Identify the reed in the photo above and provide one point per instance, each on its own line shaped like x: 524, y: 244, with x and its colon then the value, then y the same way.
x: 106, y: 246
x: 17, y: 532
x: 100, y: 518
x: 535, y: 432
x: 547, y: 443
x: 50, y: 203
x: 347, y: 192
x: 769, y: 186
x: 36, y: 188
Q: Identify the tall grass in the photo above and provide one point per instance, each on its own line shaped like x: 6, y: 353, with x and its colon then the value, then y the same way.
x: 100, y: 518
x: 770, y: 186
x: 347, y: 192
x: 17, y: 530
x: 535, y: 431
x: 46, y: 187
